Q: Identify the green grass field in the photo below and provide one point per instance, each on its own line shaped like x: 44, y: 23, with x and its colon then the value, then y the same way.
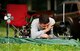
x: 29, y: 46
x: 3, y: 30
x: 37, y: 47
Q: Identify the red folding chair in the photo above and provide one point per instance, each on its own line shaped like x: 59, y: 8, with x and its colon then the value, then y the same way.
x: 19, y: 14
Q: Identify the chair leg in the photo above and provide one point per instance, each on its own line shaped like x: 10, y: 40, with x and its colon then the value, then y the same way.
x: 15, y: 33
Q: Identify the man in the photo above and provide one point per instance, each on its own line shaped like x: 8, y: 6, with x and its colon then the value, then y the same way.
x: 40, y: 26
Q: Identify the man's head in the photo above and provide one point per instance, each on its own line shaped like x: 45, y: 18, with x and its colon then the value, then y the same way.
x: 44, y: 21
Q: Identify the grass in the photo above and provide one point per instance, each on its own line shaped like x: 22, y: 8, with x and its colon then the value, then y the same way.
x: 37, y: 47
x: 3, y: 30
x: 31, y: 47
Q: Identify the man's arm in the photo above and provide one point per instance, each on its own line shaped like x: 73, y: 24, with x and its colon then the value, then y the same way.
x: 34, y: 30
x: 51, y: 25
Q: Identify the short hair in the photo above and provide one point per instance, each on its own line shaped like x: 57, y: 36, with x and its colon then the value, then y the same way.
x: 44, y: 18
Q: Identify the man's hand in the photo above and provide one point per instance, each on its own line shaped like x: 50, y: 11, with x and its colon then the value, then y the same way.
x: 48, y: 28
x: 44, y: 36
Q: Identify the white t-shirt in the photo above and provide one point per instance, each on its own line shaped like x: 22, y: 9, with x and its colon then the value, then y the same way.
x: 35, y: 32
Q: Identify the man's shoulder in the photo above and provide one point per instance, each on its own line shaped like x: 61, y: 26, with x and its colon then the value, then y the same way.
x: 36, y: 20
x: 52, y: 21
x: 51, y: 18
